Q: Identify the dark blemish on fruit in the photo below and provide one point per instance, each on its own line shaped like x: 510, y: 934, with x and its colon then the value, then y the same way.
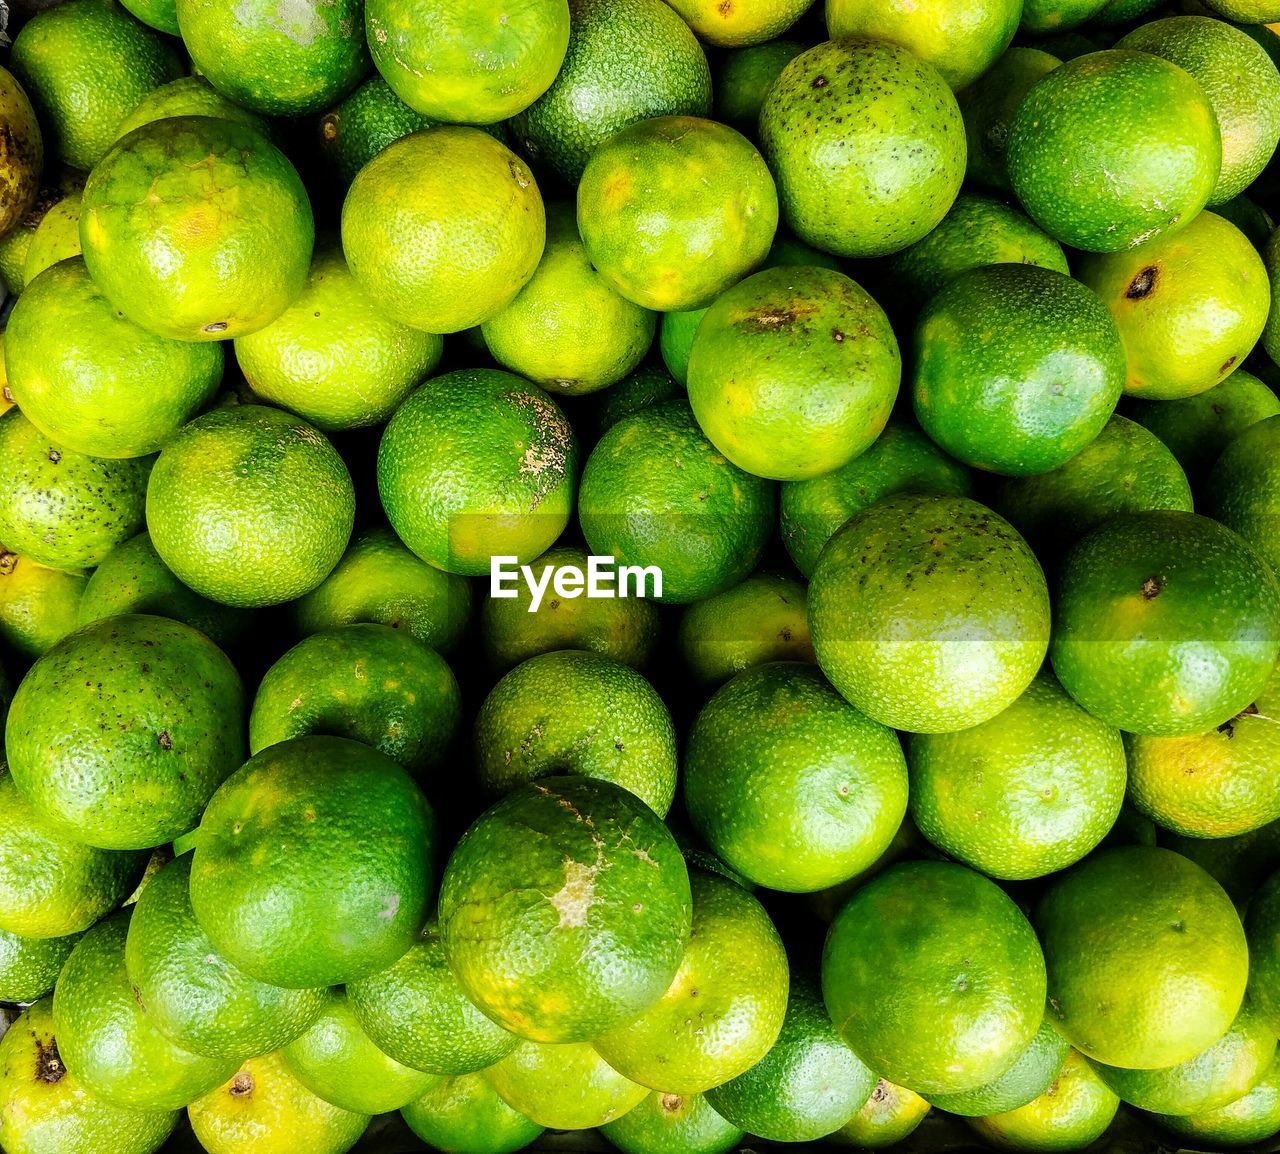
x: 672, y: 1102
x: 241, y: 1084
x: 216, y: 327
x: 55, y: 456
x: 725, y: 7
x: 164, y: 740
x: 819, y: 82
x: 1226, y: 365
x: 837, y: 336
x: 1142, y: 285
x: 49, y: 1067
x: 1151, y: 588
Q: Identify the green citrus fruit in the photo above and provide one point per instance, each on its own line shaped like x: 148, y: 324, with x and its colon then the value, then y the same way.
x: 976, y: 232
x: 51, y: 886
x: 648, y: 385
x: 1017, y: 368
x: 22, y: 156
x: 1244, y: 487
x: 464, y: 1115
x: 1238, y: 78
x: 30, y: 966
x: 46, y: 1109
x: 1146, y: 957
x: 303, y: 920
x: 791, y: 785
x: 744, y: 77
x: 94, y: 381
x: 191, y: 993
x: 675, y: 341
x: 263, y: 1107
x: 379, y: 580
x: 133, y: 579
x: 1030, y: 1076
x: 1025, y: 794
x: 961, y: 41
x: 793, y: 372
x: 676, y: 209
x: 1125, y: 469
x: 889, y: 1116
x: 443, y: 228
x: 563, y: 1086
x: 474, y: 464
x: 1244, y: 1122
x: 187, y: 96
x: 564, y: 935
x: 249, y: 505
x: 463, y: 60
x: 60, y: 508
x: 1143, y: 592
x: 84, y: 65
x: 359, y: 127
x: 276, y: 57
x: 655, y: 492
x: 1190, y: 306
x: 950, y: 620
x: 672, y: 1124
x: 901, y: 460
x: 367, y: 682
x: 1113, y: 148
x: 1075, y: 1110
x: 106, y: 1036
x: 867, y: 145
x: 577, y: 712
x: 128, y: 760
x: 226, y: 247
x: 57, y: 237
x: 765, y: 618
x: 962, y: 969
x: 416, y: 1013
x: 734, y: 25
x: 38, y: 605
x: 725, y: 1007
x: 1262, y: 927
x: 1222, y: 1072
x: 1239, y: 864
x: 1197, y: 429
x: 627, y: 60
x: 332, y: 356
x: 335, y: 1059
x: 807, y: 1086
x: 568, y: 330
x: 159, y: 14
x: 511, y: 630
x: 989, y: 104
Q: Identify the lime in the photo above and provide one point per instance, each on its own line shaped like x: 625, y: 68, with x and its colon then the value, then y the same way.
x: 187, y: 96
x: 57, y: 237
x: 94, y: 381
x: 106, y: 1036
x: 512, y: 630
x: 443, y: 228
x: 901, y: 460
x: 577, y: 712
x: 1244, y: 488
x: 464, y: 1115
x: 59, y: 507
x: 1244, y: 1122
x: 22, y: 158
x: 763, y: 619
x: 30, y: 966
x: 224, y: 249
x: 962, y: 966
x: 988, y: 105
x: 725, y: 1006
x: 464, y: 61
x: 263, y: 1107
x: 790, y: 784
x: 565, y: 934
x: 38, y: 605
x: 675, y: 210
x: 191, y: 993
x: 565, y: 1086
x: 301, y: 920
x: 249, y: 505
x: 367, y: 682
x: 1030, y: 1076
x: 734, y: 25
x: 656, y: 493
x: 379, y: 580
x: 950, y: 619
x: 793, y: 372
x: 1143, y: 637
x: 890, y: 1116
x: 1146, y: 957
x: 336, y: 1060
x: 648, y: 385
x: 1025, y: 794
x: 51, y: 886
x: 358, y: 128
x: 416, y: 1013
x: 475, y: 464
x: 1262, y: 927
x: 46, y: 1109
x: 332, y: 356
x: 672, y: 1124
x: 569, y: 330
x: 744, y: 77
x: 120, y: 734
